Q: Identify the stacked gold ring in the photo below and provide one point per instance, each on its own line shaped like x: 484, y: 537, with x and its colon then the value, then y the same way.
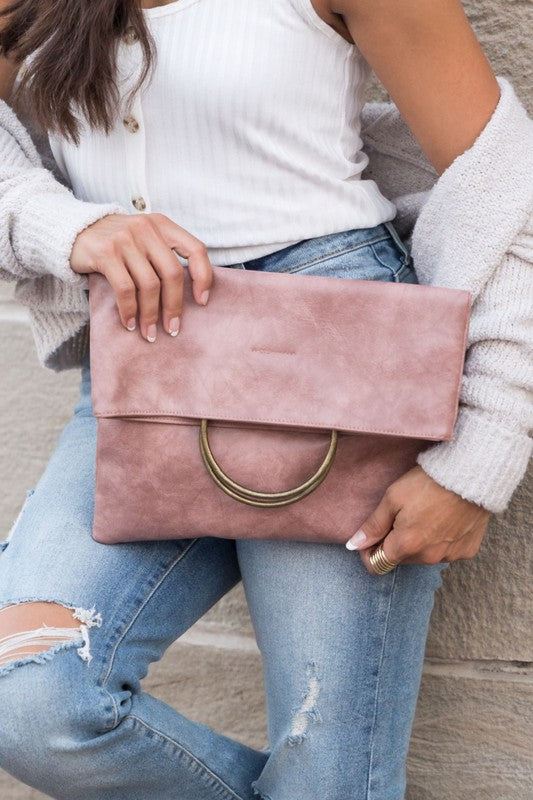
x: 380, y: 562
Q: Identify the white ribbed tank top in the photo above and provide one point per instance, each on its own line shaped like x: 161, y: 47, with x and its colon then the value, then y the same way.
x: 247, y: 135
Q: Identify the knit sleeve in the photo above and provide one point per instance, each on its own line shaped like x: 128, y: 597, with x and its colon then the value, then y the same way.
x: 475, y: 232
x: 489, y: 454
x: 40, y: 216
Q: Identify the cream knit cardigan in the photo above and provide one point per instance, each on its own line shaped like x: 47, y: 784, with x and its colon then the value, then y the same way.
x: 471, y: 228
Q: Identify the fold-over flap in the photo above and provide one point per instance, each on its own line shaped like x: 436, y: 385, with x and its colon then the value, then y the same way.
x: 290, y: 350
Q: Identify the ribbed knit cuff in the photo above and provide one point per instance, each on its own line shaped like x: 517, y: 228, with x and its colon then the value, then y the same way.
x: 484, y: 463
x: 47, y: 229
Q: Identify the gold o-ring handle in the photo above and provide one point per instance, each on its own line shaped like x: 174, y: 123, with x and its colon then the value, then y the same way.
x: 263, y: 499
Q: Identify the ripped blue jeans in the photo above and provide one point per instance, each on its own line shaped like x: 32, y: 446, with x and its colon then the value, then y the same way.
x: 342, y: 650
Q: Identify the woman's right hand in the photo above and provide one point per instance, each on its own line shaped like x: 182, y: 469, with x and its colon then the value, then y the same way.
x: 135, y: 253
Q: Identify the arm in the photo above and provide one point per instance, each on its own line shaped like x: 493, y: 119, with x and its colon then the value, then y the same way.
x: 473, y: 230
x: 50, y: 241
x: 427, y: 56
x: 491, y: 448
x: 423, y: 519
x: 40, y: 217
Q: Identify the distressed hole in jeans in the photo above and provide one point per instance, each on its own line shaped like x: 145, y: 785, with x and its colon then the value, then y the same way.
x: 307, y: 712
x: 33, y: 631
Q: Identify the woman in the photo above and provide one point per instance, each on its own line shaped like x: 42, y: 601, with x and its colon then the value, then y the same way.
x: 243, y: 152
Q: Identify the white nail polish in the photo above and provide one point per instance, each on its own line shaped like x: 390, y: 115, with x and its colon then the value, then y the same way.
x: 350, y: 546
x: 357, y: 540
x: 174, y: 326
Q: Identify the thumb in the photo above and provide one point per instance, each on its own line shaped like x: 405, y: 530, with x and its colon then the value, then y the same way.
x: 375, y: 527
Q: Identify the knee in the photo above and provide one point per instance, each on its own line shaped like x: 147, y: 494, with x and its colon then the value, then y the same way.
x: 51, y: 704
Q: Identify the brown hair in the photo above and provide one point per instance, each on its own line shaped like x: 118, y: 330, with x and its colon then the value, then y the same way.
x: 76, y: 59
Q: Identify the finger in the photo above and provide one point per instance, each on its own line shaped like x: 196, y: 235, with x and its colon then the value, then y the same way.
x: 201, y: 272
x: 125, y: 290
x: 171, y: 274
x: 365, y: 556
x: 376, y: 526
x: 466, y: 547
x: 191, y: 248
x: 406, y: 546
x: 145, y: 249
x: 148, y: 287
x: 400, y: 546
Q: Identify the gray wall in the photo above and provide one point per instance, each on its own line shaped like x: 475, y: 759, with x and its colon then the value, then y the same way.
x: 474, y: 723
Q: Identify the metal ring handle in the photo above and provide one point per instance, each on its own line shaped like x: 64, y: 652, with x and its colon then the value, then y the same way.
x: 263, y: 499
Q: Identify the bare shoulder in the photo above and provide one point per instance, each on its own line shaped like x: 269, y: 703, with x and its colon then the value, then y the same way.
x: 427, y: 56
x: 323, y: 10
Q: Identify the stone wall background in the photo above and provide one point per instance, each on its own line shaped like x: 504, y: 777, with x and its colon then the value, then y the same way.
x: 474, y: 723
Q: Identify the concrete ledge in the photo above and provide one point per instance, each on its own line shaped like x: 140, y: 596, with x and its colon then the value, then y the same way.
x: 472, y: 738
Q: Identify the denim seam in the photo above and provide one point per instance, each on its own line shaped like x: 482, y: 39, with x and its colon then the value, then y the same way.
x: 105, y: 676
x: 392, y: 271
x: 228, y: 792
x: 405, y: 269
x: 341, y: 250
x: 378, y: 681
x: 402, y: 247
x: 404, y: 264
x: 114, y: 709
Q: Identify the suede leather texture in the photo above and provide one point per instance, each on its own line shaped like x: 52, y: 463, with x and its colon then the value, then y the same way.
x: 274, y: 362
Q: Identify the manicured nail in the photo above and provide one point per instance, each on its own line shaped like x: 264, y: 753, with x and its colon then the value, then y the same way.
x: 357, y: 540
x: 131, y: 324
x: 174, y: 326
x: 204, y: 297
x: 151, y: 332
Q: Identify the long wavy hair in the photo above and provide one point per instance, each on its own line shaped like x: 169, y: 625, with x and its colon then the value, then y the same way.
x: 73, y: 43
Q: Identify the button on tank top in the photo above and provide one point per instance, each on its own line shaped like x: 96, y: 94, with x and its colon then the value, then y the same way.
x: 247, y: 135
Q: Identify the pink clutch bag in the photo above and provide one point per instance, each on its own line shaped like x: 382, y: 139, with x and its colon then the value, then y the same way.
x: 282, y: 410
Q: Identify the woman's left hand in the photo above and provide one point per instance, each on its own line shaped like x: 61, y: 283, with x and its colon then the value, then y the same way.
x: 418, y: 521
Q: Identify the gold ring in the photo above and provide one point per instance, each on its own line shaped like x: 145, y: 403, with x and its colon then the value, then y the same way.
x: 380, y: 563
